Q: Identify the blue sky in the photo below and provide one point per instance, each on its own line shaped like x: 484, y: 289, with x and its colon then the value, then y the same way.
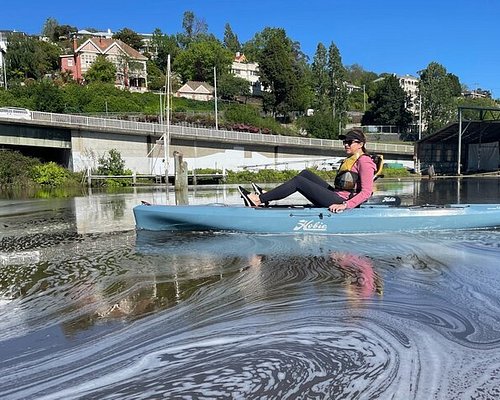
x: 393, y: 36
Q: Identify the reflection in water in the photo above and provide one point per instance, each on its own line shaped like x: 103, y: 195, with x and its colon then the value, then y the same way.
x: 109, y: 313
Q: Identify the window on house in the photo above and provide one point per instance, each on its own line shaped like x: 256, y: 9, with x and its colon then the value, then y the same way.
x: 70, y: 62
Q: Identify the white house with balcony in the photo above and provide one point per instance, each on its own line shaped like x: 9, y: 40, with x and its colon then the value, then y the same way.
x: 410, y: 86
x: 248, y: 71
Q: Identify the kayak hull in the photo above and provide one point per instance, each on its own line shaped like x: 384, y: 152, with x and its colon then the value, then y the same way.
x: 367, y: 219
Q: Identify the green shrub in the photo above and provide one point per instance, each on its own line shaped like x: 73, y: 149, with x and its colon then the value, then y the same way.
x: 50, y: 174
x: 15, y: 168
x: 395, y: 172
x: 111, y: 164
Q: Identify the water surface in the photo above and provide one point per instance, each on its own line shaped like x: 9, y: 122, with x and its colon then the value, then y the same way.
x: 91, y: 309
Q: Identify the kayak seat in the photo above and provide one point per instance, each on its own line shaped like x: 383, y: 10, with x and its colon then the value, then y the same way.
x: 378, y: 159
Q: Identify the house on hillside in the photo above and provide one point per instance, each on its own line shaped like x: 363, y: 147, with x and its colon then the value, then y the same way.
x: 195, y: 90
x: 248, y: 71
x: 131, y: 72
x: 410, y: 84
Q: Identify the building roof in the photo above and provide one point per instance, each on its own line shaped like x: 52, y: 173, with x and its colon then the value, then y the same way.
x: 479, y: 130
x: 472, y: 132
x: 103, y: 45
x: 196, y: 86
x: 240, y: 57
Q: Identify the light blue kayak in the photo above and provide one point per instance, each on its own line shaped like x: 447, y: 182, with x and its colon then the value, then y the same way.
x: 300, y: 220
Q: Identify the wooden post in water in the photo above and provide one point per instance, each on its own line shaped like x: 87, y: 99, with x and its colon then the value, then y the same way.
x: 89, y: 177
x: 181, y: 178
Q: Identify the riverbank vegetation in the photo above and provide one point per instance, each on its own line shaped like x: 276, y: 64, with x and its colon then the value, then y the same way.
x: 19, y: 171
x: 277, y: 176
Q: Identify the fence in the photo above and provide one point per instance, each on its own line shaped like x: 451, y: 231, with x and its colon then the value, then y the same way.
x: 148, y: 128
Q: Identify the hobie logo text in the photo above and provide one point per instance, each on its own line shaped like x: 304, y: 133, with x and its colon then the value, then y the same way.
x: 310, y: 226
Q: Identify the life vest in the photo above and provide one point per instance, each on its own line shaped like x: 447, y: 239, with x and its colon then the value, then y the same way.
x: 346, y: 179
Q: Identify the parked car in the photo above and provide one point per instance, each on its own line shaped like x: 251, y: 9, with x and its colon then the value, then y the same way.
x: 332, y: 165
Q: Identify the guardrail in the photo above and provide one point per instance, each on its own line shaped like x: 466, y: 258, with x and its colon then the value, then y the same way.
x: 177, y: 131
x: 158, y: 178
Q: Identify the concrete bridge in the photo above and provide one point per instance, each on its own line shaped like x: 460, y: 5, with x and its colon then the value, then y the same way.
x: 77, y: 142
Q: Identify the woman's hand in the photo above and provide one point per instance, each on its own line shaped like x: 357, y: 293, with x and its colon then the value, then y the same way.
x: 337, y: 208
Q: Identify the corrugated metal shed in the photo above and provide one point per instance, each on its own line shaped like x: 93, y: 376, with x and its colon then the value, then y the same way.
x: 477, y: 147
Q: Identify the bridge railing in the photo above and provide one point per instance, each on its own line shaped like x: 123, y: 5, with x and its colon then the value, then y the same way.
x: 179, y: 131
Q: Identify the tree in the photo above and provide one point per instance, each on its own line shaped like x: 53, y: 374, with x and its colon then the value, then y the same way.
x: 357, y: 99
x: 101, y: 70
x: 197, y: 62
x: 111, y: 164
x: 156, y: 78
x: 229, y: 87
x: 164, y: 46
x: 337, y: 90
x: 30, y: 58
x: 194, y: 29
x: 320, y: 78
x: 231, y: 41
x: 437, y: 88
x: 63, y: 32
x: 283, y: 73
x: 48, y: 97
x: 49, y: 27
x: 389, y: 105
x: 129, y: 37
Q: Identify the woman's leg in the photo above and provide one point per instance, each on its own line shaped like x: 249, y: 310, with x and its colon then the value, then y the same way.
x: 311, y: 186
x: 315, y: 178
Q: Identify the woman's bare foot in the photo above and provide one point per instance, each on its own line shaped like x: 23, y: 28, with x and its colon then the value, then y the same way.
x: 255, y: 198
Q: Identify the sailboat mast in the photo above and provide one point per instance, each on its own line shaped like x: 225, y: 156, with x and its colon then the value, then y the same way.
x: 166, y: 136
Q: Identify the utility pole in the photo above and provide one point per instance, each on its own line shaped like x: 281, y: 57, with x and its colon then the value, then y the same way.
x: 420, y: 116
x: 364, y: 98
x: 215, y: 96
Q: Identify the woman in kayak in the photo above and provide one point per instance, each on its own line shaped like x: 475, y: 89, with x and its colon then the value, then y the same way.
x: 353, y: 184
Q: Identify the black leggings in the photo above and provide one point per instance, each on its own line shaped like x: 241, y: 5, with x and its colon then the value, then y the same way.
x: 309, y: 185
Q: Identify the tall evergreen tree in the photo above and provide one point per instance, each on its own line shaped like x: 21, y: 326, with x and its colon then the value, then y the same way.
x: 437, y: 88
x: 194, y: 29
x: 49, y: 28
x: 319, y: 69
x: 337, y: 86
x: 276, y: 65
x: 231, y: 41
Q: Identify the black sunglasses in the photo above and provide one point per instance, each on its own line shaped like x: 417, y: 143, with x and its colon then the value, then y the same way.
x: 349, y: 142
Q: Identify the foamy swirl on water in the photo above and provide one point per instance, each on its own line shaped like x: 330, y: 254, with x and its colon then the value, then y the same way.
x: 263, y: 317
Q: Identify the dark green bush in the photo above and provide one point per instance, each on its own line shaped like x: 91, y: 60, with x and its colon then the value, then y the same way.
x: 15, y: 168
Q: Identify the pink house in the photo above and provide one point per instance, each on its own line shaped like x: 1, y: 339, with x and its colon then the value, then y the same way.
x: 131, y: 72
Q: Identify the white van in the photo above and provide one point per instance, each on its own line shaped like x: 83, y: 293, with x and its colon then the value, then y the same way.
x: 331, y: 165
x: 15, y: 112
